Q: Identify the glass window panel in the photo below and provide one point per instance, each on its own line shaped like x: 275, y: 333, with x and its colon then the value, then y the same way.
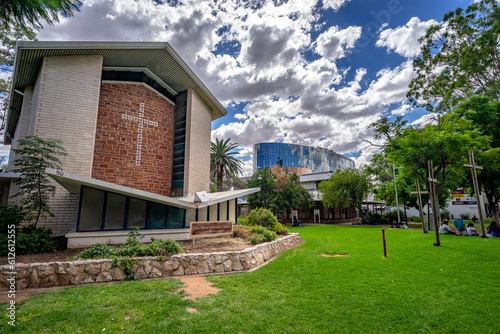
x: 91, y: 209
x: 136, y: 213
x: 156, y: 215
x: 115, y: 212
x: 175, y: 217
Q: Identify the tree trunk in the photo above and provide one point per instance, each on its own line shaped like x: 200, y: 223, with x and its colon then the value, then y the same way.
x: 219, y: 179
x: 493, y: 202
x: 435, y: 213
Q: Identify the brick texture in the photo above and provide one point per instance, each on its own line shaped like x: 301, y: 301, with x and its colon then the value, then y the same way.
x: 117, y: 140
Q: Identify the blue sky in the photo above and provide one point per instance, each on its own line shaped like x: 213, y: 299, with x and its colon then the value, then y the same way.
x: 307, y: 72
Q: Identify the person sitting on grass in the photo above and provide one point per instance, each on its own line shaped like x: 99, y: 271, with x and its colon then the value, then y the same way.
x: 471, y: 230
x: 492, y: 230
x: 445, y: 229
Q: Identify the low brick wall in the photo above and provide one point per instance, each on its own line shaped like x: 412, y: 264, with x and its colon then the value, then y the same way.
x: 37, y: 275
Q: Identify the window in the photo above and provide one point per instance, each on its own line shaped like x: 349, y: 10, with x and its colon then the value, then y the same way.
x: 115, y: 212
x: 156, y: 215
x: 137, y: 213
x: 92, y: 202
x: 175, y: 218
x: 110, y: 211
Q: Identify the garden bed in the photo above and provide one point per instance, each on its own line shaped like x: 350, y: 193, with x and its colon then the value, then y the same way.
x: 59, y: 273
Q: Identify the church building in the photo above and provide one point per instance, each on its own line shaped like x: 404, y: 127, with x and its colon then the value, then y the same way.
x: 135, y: 122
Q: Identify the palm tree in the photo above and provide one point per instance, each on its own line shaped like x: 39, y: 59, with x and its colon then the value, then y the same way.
x: 222, y: 162
x: 25, y: 13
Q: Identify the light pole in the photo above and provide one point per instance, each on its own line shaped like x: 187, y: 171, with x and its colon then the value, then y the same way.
x: 396, y: 190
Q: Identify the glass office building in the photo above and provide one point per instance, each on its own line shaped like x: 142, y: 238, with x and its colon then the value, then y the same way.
x: 299, y: 156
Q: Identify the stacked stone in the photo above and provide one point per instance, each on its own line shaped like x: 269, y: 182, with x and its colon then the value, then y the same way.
x: 98, y: 271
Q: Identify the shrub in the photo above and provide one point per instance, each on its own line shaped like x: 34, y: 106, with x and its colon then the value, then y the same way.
x: 445, y: 214
x: 32, y: 240
x: 267, y: 235
x: 241, y: 232
x: 375, y: 219
x: 393, y: 216
x: 256, y: 238
x: 264, y: 217
x: 155, y: 248
x: 134, y: 237
x: 465, y: 216
x: 97, y: 251
x: 415, y: 219
x: 11, y: 214
x: 243, y: 220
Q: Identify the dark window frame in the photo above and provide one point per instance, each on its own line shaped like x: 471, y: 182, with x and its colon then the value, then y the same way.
x: 126, y: 215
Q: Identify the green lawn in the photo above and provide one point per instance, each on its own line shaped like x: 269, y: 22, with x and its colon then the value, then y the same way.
x: 417, y: 288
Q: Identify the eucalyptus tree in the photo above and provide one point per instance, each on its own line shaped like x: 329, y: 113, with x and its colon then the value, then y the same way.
x: 445, y: 143
x: 484, y: 113
x: 460, y: 58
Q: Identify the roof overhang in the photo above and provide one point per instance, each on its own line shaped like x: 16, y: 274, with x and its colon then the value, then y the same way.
x: 73, y: 183
x: 223, y: 196
x: 8, y: 177
x: 158, y: 58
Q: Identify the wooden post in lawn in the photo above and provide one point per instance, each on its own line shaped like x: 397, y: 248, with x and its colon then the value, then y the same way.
x: 383, y: 241
x: 434, y: 201
x: 473, y: 168
x: 420, y: 206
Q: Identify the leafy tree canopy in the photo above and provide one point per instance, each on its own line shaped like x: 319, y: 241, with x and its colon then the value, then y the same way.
x: 346, y: 187
x: 282, y: 190
x: 35, y: 155
x: 459, y: 58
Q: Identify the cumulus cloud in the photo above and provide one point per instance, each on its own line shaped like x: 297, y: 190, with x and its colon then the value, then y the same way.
x: 334, y: 43
x: 276, y: 57
x: 404, y: 40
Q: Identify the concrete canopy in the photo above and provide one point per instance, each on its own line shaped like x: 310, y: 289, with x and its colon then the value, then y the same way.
x: 74, y: 182
x: 157, y: 58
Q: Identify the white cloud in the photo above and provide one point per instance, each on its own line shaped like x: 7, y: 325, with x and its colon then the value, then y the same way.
x: 334, y: 43
x: 259, y: 53
x: 404, y: 40
x: 334, y: 4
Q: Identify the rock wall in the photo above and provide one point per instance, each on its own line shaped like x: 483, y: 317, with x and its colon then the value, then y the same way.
x: 37, y: 275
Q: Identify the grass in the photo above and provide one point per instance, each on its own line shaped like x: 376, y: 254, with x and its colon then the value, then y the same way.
x: 417, y: 288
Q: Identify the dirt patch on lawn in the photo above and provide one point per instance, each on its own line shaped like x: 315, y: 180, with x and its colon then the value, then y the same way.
x: 198, y: 287
x: 334, y: 255
x: 22, y: 294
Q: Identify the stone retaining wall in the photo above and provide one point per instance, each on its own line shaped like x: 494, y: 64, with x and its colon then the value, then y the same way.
x: 96, y: 271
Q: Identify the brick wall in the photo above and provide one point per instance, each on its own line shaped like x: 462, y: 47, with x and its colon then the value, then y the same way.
x: 117, y: 145
x: 198, y: 139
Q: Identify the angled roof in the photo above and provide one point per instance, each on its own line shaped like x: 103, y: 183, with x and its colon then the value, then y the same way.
x: 73, y: 183
x: 158, y: 58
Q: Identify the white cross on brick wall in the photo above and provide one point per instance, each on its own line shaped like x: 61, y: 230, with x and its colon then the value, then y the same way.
x: 141, y: 122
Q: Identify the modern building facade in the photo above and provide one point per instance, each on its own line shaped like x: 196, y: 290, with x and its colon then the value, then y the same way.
x: 135, y: 122
x: 299, y: 159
